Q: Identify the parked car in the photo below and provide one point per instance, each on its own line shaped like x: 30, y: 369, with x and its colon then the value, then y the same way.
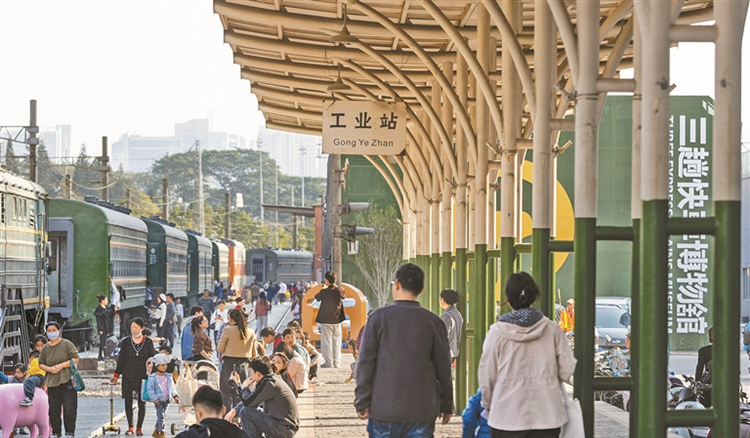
x: 614, y: 321
x: 623, y: 302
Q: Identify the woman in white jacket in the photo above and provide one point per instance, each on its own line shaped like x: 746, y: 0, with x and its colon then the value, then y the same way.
x: 524, y: 359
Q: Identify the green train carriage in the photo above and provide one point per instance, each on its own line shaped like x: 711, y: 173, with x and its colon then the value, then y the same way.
x: 23, y: 233
x: 200, y: 273
x: 220, y: 262
x: 167, y: 258
x: 287, y: 265
x: 89, y: 243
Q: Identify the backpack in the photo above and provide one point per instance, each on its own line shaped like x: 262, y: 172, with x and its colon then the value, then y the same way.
x: 746, y: 336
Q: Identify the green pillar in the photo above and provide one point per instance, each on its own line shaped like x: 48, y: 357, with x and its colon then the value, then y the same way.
x: 435, y: 283
x: 491, y: 307
x: 472, y: 299
x: 634, y: 318
x: 507, y: 267
x: 423, y: 263
x: 540, y: 266
x: 461, y: 363
x: 726, y: 318
x: 477, y: 315
x: 584, y: 253
x: 651, y: 344
x: 446, y: 271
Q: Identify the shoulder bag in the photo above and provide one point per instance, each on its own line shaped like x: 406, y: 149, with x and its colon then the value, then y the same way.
x: 76, y: 381
x: 574, y: 427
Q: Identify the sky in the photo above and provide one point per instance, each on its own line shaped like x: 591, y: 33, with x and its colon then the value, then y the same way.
x: 113, y: 67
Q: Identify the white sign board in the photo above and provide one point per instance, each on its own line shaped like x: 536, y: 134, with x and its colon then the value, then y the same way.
x: 364, y: 128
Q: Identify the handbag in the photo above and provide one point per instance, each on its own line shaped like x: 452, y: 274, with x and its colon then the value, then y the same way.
x: 144, y: 391
x: 574, y: 427
x: 186, y: 387
x: 76, y: 381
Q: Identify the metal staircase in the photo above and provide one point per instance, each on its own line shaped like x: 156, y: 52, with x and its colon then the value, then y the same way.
x: 14, y: 335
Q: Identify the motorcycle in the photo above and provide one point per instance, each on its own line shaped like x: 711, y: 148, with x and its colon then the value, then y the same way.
x: 695, y: 396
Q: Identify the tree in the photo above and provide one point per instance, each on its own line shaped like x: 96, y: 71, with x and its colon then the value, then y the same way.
x: 379, y: 253
x: 11, y: 162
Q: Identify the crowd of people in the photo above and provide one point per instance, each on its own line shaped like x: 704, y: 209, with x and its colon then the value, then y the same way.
x: 405, y: 357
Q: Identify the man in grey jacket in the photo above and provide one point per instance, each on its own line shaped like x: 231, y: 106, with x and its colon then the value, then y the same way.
x: 169, y: 320
x: 403, y: 400
x: 452, y: 319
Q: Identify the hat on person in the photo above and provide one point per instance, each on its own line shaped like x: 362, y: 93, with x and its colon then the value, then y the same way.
x: 571, y: 301
x: 161, y: 359
x: 163, y: 297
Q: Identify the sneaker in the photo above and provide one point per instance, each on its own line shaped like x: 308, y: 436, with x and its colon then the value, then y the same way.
x: 130, y: 431
x: 69, y: 435
x: 138, y: 432
x: 27, y: 402
x: 327, y: 365
x: 156, y: 433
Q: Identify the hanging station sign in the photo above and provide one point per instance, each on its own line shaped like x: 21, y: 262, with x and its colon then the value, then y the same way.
x: 364, y: 128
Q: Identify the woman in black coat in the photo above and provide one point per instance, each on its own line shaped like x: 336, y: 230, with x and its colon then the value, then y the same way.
x: 135, y: 351
x: 105, y: 322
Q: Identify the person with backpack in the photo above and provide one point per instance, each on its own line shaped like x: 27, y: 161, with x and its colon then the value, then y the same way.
x: 209, y: 413
x: 746, y: 342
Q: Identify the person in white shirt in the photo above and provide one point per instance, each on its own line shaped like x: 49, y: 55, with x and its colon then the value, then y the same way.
x: 115, y: 301
x: 160, y: 315
x: 219, y: 318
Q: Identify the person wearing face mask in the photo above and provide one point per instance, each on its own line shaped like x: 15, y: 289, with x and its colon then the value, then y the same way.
x: 135, y: 350
x: 55, y: 359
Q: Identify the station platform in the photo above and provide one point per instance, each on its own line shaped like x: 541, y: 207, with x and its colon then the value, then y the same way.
x: 326, y: 410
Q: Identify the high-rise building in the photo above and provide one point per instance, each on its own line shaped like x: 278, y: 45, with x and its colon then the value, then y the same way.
x: 136, y: 154
x: 295, y: 154
x: 57, y: 142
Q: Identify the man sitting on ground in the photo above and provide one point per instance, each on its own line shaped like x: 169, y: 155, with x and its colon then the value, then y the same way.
x: 279, y: 417
x: 267, y: 336
x: 208, y: 413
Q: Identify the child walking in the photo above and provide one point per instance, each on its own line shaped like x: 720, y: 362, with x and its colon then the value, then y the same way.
x: 160, y: 391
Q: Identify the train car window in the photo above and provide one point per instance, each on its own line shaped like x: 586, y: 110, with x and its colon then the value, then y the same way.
x: 2, y: 208
x: 32, y: 218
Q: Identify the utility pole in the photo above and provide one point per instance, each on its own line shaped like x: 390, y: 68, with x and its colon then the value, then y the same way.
x: 260, y: 154
x: 294, y: 231
x: 302, y: 175
x: 33, y: 141
x: 105, y: 170
x: 68, y: 184
x: 228, y: 205
x: 276, y: 201
x: 334, y: 163
x: 128, y: 200
x: 165, y: 199
x: 201, y: 216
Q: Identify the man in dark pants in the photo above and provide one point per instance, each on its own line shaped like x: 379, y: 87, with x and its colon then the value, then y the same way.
x: 330, y: 316
x: 398, y: 400
x: 169, y: 319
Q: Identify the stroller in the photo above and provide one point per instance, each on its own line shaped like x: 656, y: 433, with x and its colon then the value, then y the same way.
x: 192, y: 376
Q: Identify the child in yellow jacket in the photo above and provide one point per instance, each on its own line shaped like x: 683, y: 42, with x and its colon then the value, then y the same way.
x: 34, y: 380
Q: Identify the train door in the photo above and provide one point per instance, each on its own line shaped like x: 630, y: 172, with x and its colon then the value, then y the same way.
x: 258, y: 267
x: 60, y: 272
